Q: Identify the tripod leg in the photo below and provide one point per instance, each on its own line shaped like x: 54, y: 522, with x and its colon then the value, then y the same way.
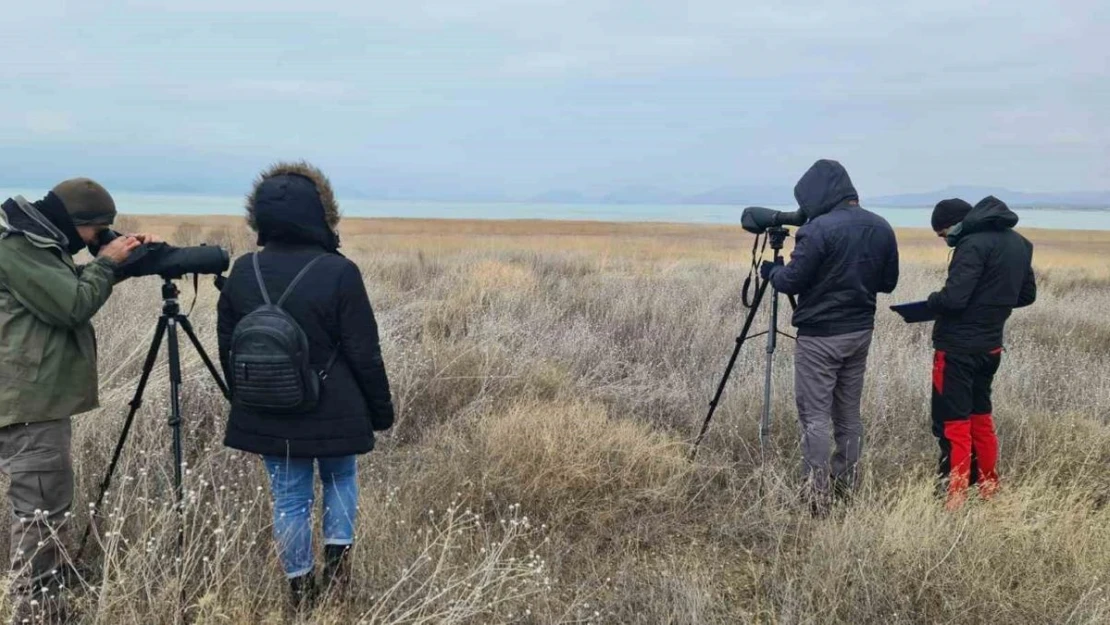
x: 728, y: 369
x: 175, y: 412
x: 175, y: 424
x: 188, y: 327
x: 772, y: 344
x: 136, y: 402
x: 773, y: 333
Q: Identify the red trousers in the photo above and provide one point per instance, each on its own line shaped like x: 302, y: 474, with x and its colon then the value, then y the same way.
x: 963, y: 421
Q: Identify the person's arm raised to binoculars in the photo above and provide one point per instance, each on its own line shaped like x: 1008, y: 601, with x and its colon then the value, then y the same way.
x: 50, y: 288
x: 796, y: 276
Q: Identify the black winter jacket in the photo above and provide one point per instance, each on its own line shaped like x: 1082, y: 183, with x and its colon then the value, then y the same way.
x: 293, y: 209
x: 991, y: 273
x: 842, y: 257
x: 331, y: 306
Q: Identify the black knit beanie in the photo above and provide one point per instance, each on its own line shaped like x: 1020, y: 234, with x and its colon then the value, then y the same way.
x: 948, y: 213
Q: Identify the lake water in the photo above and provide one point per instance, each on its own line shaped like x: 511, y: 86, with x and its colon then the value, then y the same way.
x: 709, y: 214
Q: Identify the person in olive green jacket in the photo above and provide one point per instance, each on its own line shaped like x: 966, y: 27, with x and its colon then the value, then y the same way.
x: 48, y: 364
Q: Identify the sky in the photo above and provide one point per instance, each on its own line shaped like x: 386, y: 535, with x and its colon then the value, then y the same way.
x: 503, y: 97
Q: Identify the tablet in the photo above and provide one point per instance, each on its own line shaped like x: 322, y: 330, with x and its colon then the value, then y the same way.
x: 915, y: 312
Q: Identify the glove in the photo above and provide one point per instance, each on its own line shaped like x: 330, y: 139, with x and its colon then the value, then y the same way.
x: 768, y: 268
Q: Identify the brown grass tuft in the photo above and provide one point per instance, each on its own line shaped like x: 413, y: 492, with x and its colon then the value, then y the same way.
x: 568, y: 463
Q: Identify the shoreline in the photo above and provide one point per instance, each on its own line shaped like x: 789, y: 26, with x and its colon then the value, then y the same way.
x: 528, y: 225
x: 641, y: 241
x: 239, y: 198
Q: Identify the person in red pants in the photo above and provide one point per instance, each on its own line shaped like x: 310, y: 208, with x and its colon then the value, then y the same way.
x: 991, y: 274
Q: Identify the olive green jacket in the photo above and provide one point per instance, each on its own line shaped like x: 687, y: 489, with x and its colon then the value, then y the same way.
x: 47, y: 345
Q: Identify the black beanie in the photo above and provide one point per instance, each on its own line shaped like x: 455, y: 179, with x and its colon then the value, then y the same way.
x: 949, y: 213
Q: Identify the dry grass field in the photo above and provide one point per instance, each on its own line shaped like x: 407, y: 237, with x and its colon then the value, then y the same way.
x: 548, y: 379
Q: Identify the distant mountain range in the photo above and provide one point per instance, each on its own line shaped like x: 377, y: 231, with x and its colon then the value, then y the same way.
x: 1076, y: 199
x: 197, y: 175
x: 773, y: 196
x: 647, y: 194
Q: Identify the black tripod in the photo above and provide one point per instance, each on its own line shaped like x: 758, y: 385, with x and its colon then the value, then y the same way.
x: 776, y: 237
x: 168, y: 323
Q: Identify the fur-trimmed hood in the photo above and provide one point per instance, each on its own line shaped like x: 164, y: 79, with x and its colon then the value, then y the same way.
x: 293, y: 202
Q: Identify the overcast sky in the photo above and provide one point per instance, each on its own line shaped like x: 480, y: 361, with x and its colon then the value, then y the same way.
x: 521, y: 96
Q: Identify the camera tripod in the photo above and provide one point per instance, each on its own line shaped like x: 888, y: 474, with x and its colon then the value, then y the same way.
x: 776, y: 237
x: 168, y: 324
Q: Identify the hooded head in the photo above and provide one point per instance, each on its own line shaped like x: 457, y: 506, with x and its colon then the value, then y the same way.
x: 948, y: 213
x: 990, y: 213
x: 294, y: 203
x: 824, y: 187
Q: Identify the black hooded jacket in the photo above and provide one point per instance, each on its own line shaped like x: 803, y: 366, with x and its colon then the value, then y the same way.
x: 842, y: 257
x: 991, y: 273
x: 333, y: 309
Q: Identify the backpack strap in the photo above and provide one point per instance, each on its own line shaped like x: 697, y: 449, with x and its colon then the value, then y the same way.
x: 261, y: 284
x: 296, y: 279
x: 331, y: 363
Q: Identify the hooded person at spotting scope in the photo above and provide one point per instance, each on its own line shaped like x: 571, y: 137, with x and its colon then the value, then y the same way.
x: 842, y: 258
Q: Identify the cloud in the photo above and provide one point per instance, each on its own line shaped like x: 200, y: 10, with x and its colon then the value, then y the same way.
x: 48, y: 122
x: 582, y: 93
x: 616, y: 56
x: 294, y: 88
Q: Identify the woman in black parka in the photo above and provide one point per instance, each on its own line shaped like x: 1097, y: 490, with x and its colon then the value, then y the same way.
x: 293, y: 209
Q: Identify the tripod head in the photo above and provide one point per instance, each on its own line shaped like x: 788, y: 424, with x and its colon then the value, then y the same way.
x: 777, y: 237
x: 170, y: 292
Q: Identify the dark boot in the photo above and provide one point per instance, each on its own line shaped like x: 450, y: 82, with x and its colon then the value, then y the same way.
x: 304, y: 591
x: 337, y: 569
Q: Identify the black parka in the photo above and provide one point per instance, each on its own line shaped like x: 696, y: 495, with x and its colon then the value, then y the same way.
x: 331, y: 306
x: 842, y: 257
x: 991, y: 274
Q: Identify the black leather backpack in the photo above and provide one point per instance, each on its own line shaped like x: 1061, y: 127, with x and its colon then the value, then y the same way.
x: 269, y: 357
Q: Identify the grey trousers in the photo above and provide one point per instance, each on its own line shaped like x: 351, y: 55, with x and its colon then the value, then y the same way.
x: 828, y: 387
x: 36, y: 456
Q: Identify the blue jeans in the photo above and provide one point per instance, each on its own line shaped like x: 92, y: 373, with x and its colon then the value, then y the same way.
x: 291, y: 482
